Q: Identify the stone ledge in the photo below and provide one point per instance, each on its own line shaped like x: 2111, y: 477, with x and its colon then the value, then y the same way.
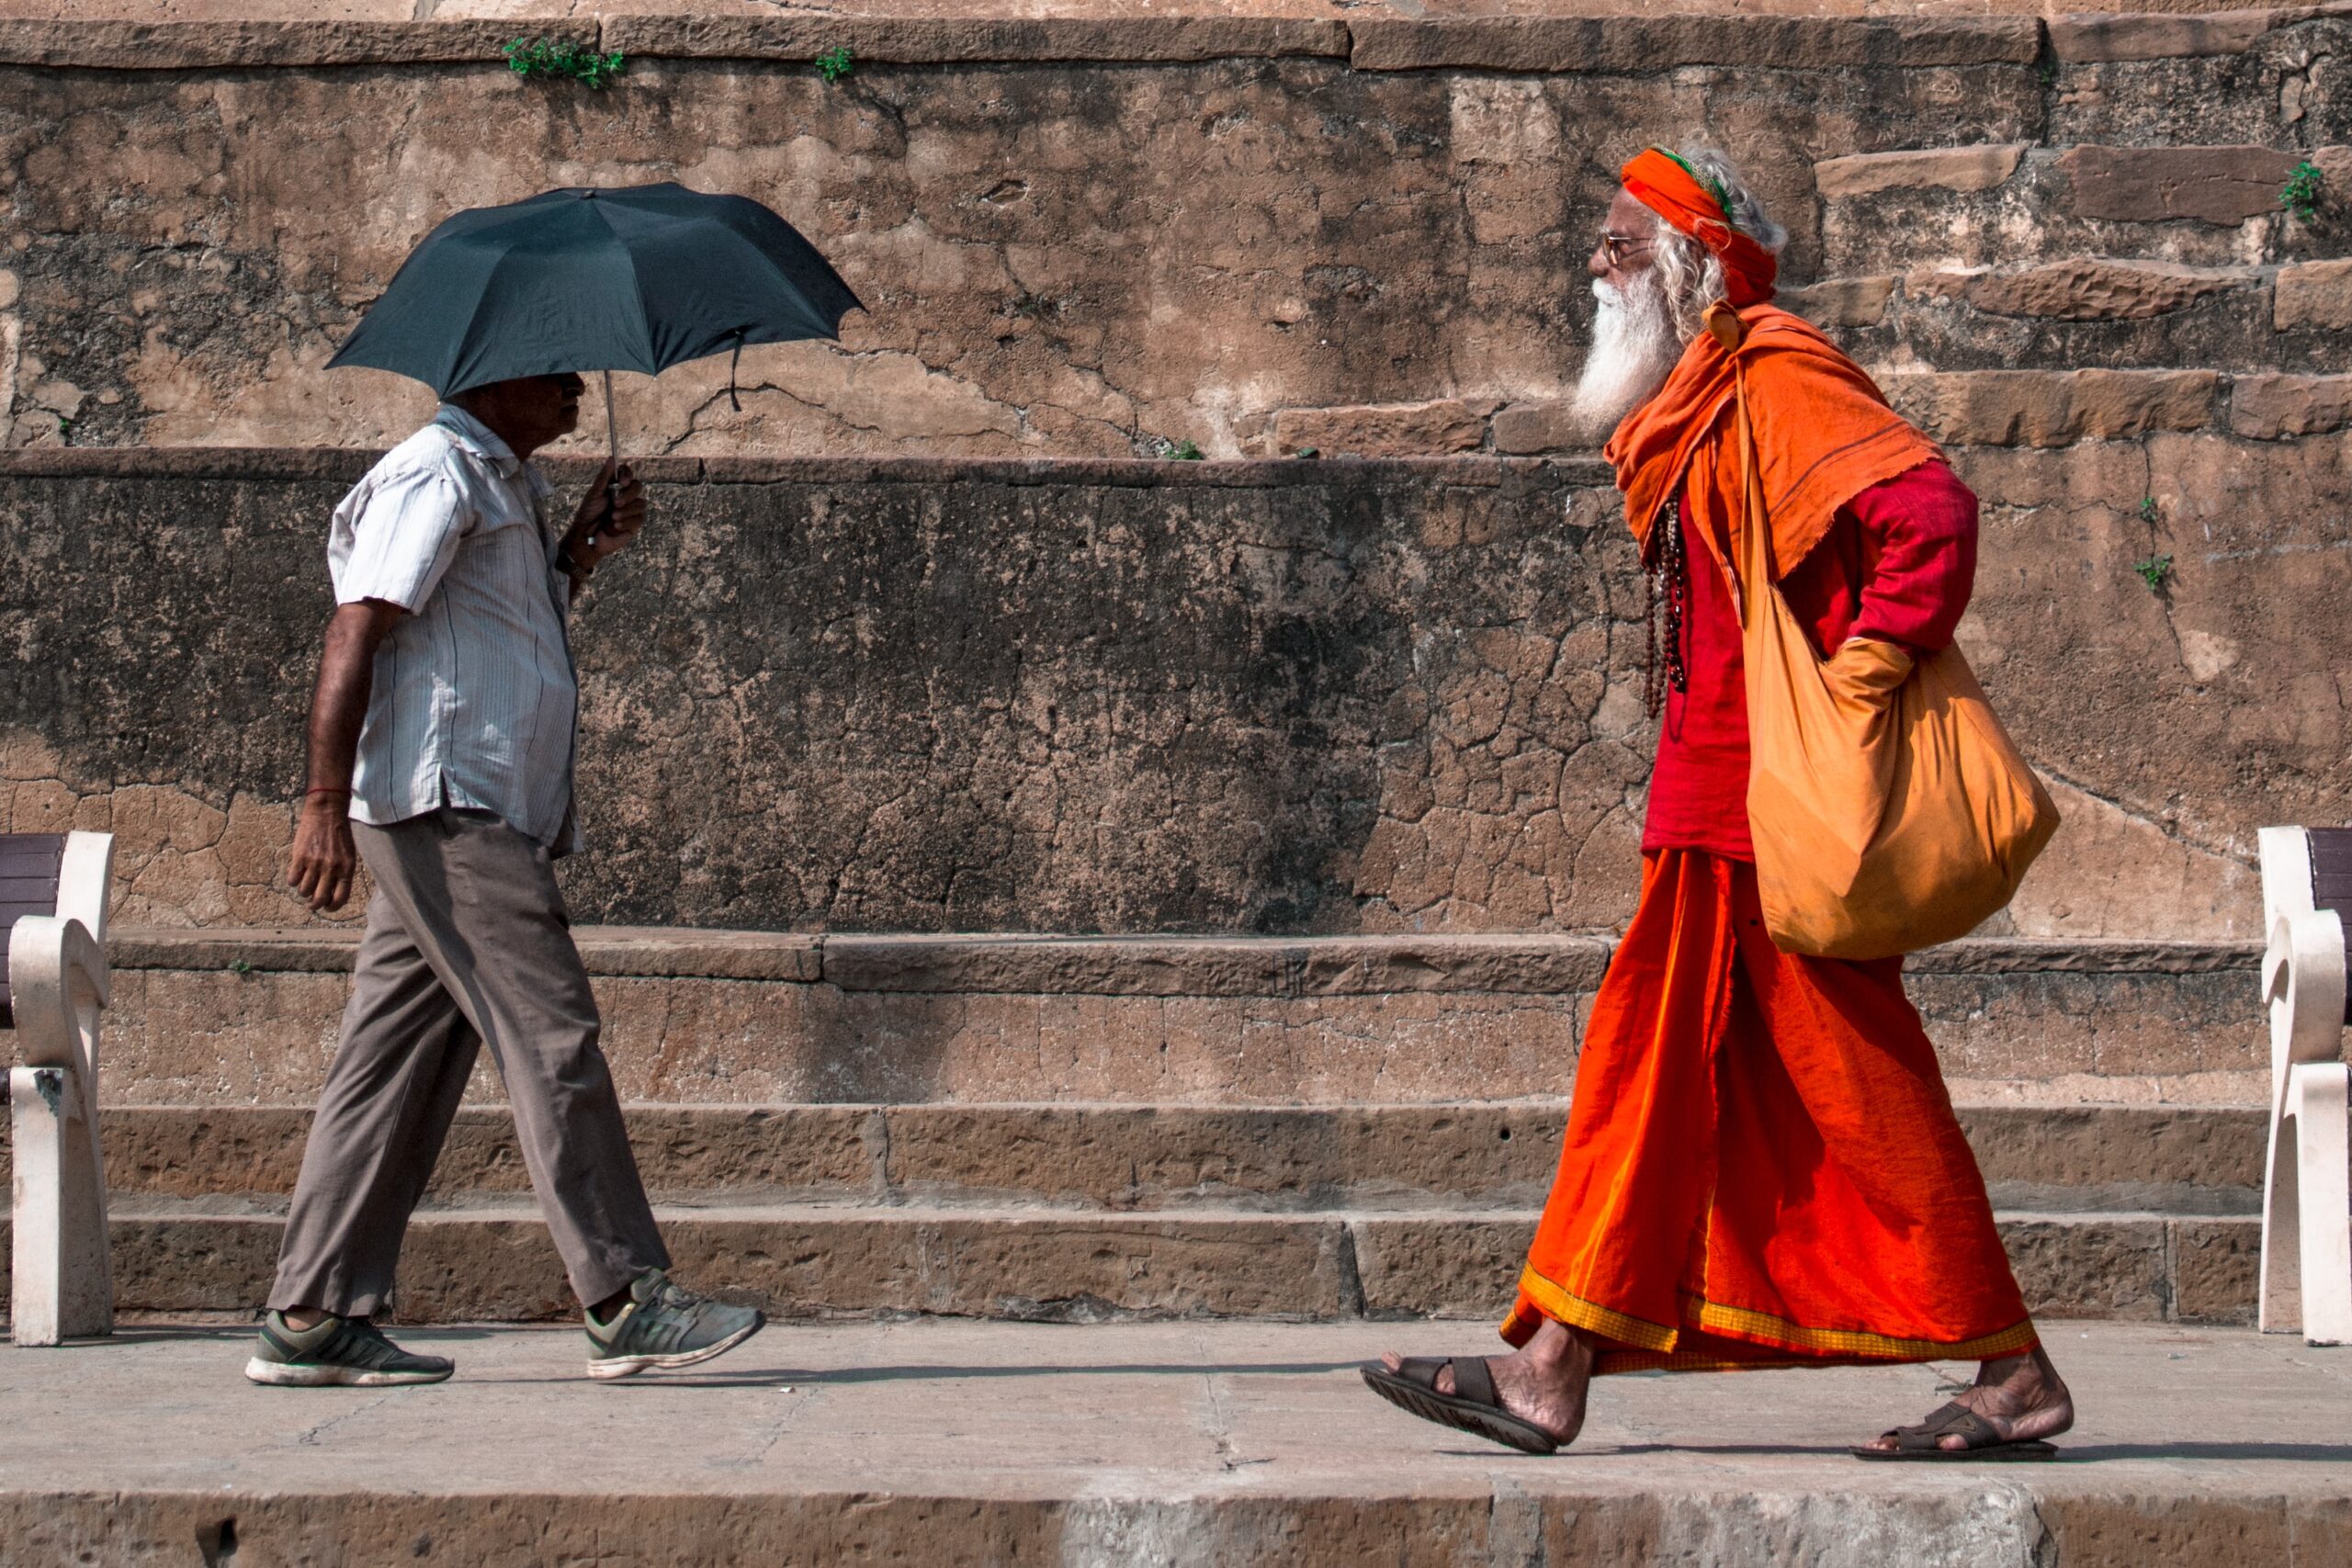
x: 345, y: 466
x: 1442, y: 1155
x: 1243, y: 1445
x: 185, y: 46
x: 1616, y: 44
x: 927, y: 40
x: 1034, y: 1264
x: 1645, y: 45
x: 1211, y: 966
x: 2103, y: 38
x: 1217, y: 966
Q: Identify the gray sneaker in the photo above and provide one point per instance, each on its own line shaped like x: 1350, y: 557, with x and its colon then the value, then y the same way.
x: 664, y: 1326
x: 337, y: 1352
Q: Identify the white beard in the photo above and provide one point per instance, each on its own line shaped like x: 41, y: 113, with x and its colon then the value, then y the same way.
x: 1634, y: 351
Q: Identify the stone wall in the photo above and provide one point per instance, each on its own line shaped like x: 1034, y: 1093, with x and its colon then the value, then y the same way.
x: 1254, y: 232
x: 1323, y: 695
x: 1310, y: 696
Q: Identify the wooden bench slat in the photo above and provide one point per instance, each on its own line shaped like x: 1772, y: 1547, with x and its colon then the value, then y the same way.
x: 29, y: 864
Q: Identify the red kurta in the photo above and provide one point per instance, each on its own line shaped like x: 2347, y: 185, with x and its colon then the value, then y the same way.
x: 1896, y: 564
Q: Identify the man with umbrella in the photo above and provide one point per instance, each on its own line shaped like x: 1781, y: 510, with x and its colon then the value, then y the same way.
x: 441, y: 744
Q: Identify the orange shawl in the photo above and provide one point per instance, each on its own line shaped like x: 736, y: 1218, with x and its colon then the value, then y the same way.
x: 1824, y: 435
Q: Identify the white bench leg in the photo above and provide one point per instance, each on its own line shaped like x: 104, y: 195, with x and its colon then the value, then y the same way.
x: 62, y: 1284
x: 2319, y: 1097
x: 2280, y: 1305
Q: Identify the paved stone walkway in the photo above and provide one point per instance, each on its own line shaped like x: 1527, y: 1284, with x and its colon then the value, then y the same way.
x: 986, y: 1442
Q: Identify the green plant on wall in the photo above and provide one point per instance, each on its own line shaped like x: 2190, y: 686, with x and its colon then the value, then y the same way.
x: 544, y: 57
x: 2156, y: 571
x: 836, y: 63
x: 2300, y: 195
x: 2148, y: 509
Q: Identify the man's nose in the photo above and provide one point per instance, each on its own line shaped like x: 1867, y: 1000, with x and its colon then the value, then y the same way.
x: 1596, y: 264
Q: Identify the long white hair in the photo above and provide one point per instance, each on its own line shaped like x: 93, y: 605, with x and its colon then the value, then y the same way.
x: 1638, y: 332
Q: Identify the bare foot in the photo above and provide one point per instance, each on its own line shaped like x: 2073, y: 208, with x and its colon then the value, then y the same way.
x: 2021, y: 1397
x: 1542, y: 1382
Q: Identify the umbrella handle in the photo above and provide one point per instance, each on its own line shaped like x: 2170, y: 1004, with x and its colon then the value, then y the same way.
x: 612, y: 453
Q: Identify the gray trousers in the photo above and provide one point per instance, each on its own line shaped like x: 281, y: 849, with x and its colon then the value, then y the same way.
x: 466, y: 943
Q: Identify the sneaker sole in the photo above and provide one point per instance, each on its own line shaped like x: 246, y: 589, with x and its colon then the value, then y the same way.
x: 629, y: 1366
x: 293, y: 1374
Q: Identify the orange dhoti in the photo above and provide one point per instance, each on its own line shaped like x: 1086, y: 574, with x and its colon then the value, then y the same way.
x: 1762, y: 1165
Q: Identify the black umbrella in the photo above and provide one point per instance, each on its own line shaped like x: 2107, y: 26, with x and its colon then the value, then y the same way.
x: 639, y: 279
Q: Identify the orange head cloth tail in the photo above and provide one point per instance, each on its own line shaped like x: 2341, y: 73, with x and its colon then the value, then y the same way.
x: 1670, y: 188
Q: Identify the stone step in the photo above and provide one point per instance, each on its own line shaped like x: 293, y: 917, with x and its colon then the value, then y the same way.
x: 494, y: 1261
x: 1146, y: 1446
x: 249, y: 1017
x: 2182, y: 1161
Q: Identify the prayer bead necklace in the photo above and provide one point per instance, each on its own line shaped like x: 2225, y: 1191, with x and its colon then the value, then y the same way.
x: 1668, y: 582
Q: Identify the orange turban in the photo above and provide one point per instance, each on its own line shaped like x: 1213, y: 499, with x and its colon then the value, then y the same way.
x: 1667, y: 187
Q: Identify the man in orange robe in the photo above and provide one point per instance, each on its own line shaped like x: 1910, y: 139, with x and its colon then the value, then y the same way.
x: 1762, y: 1167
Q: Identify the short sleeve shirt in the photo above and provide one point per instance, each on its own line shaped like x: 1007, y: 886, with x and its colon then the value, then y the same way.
x: 475, y: 702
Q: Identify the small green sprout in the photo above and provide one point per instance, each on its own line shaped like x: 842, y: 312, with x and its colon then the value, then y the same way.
x: 239, y: 966
x: 1185, y: 452
x: 65, y: 430
x: 837, y: 63
x: 544, y: 57
x: 2156, y: 571
x: 2147, y: 509
x: 2301, y: 194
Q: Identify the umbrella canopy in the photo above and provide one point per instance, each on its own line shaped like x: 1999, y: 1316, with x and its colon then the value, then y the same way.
x: 640, y: 278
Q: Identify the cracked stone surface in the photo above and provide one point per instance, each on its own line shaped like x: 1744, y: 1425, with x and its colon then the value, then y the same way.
x: 1059, y: 258
x: 1146, y: 1443
x: 1281, y: 698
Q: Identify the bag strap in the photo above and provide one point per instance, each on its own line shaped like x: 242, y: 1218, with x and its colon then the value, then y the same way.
x: 1752, y: 564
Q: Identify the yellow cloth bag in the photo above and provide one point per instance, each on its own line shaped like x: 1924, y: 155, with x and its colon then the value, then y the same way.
x: 1889, y: 808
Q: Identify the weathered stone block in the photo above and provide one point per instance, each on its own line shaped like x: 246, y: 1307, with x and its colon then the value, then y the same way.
x: 2112, y: 1270
x: 1653, y: 43
x: 1833, y: 302
x: 2266, y: 408
x: 242, y: 43
x: 1547, y: 427
x: 2099, y: 37
x: 2313, y: 295
x: 1941, y: 168
x: 1445, y: 1266
x: 942, y: 40
x: 2216, y: 1265
x: 2037, y: 408
x: 2086, y: 288
x: 2223, y: 186
x: 1394, y: 429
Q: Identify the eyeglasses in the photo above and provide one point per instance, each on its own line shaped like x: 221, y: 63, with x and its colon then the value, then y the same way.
x: 1617, y: 247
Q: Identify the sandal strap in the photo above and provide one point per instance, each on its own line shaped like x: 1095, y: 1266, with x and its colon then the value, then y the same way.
x: 1952, y: 1420
x: 1473, y: 1382
x: 1423, y: 1370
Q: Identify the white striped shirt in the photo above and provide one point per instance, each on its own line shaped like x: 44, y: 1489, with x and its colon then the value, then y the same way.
x: 475, y: 701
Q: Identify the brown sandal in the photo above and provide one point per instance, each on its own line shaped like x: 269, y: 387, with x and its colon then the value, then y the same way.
x: 1473, y: 1408
x: 1924, y: 1442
